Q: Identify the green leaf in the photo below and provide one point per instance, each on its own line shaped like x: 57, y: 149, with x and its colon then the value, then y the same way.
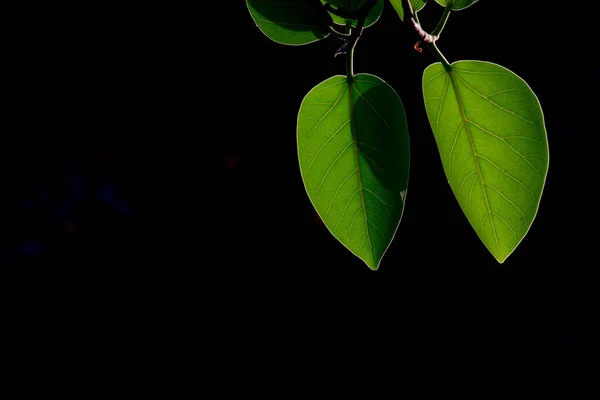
x: 353, y: 5
x: 353, y: 149
x: 489, y: 129
x: 457, y: 4
x: 336, y: 3
x: 416, y: 6
x: 291, y: 22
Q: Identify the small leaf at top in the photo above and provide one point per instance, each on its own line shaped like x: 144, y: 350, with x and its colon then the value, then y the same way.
x: 353, y: 5
x: 457, y: 4
x: 291, y: 22
x: 416, y: 6
x: 353, y: 149
x: 490, y: 132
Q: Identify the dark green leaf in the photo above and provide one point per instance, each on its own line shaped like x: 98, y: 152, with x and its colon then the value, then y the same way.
x: 416, y: 6
x: 291, y: 22
x: 489, y: 128
x: 457, y: 4
x: 353, y: 5
x: 353, y: 149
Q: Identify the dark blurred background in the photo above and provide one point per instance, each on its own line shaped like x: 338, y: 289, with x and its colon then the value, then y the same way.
x: 151, y: 170
x: 437, y: 285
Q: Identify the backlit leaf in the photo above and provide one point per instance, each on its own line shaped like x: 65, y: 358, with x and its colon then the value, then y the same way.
x: 490, y: 132
x: 457, y: 4
x: 353, y: 149
x: 291, y: 22
x: 353, y: 5
x: 416, y: 6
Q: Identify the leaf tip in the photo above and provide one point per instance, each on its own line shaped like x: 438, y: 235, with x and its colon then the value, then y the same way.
x: 501, y: 258
x: 372, y: 263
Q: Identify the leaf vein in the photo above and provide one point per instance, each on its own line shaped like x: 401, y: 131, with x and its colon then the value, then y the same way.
x: 507, y: 174
x: 493, y: 102
x: 506, y: 143
x: 336, y: 193
x: 330, y: 167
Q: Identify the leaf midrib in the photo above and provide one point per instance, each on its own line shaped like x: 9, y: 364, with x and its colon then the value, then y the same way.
x: 473, y: 151
x: 349, y: 86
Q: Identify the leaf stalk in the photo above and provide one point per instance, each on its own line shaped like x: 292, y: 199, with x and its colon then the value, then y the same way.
x: 429, y: 38
x: 442, y: 23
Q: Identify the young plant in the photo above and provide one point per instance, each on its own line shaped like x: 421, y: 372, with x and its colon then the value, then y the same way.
x: 352, y: 131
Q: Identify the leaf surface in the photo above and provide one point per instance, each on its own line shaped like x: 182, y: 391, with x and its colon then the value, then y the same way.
x: 490, y: 132
x: 290, y: 22
x: 416, y: 6
x: 457, y: 4
x: 353, y: 149
x: 353, y: 5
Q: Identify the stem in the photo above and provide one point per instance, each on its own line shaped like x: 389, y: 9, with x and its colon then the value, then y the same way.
x: 337, y: 34
x: 436, y: 52
x: 440, y: 26
x: 408, y: 11
x: 416, y: 18
x: 350, y: 53
x: 427, y: 38
x: 413, y: 13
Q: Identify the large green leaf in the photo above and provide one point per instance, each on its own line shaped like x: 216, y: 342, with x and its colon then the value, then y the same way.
x: 416, y: 6
x: 353, y: 150
x: 457, y: 4
x: 291, y: 22
x: 353, y: 5
x: 489, y: 128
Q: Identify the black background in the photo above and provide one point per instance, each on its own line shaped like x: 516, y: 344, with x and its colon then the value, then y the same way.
x: 193, y: 123
x: 437, y: 285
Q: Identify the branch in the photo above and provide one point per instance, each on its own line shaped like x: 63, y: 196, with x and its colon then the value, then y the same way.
x: 348, y: 47
x: 428, y: 38
x: 425, y: 37
x: 440, y: 26
x: 352, y: 34
x: 337, y: 34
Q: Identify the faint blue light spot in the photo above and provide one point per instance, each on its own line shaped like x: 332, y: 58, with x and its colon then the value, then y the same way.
x: 31, y: 247
x: 107, y: 194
